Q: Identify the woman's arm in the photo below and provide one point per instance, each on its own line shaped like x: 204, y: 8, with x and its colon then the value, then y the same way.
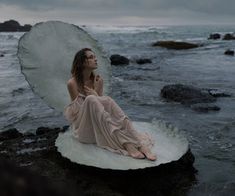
x: 72, y: 89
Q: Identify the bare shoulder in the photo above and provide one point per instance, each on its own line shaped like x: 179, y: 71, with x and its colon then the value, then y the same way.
x: 72, y: 88
x: 71, y: 82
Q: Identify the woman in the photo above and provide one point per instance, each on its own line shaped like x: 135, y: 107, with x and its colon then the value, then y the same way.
x: 98, y: 119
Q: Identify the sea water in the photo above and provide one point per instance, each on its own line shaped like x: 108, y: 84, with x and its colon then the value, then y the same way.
x: 136, y: 88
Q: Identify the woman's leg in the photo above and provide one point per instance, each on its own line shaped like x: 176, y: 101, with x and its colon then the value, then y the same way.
x: 147, y: 152
x: 133, y: 150
x: 108, y: 132
x: 139, y: 151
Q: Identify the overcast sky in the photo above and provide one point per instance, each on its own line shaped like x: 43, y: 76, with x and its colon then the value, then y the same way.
x: 120, y: 12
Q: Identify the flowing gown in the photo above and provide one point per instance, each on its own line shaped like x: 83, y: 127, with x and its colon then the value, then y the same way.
x: 99, y: 120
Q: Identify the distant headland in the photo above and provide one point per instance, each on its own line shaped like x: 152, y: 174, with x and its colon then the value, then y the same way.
x: 14, y: 26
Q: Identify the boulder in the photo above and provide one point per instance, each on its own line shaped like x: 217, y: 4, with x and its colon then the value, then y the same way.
x: 13, y: 26
x: 186, y: 94
x: 10, y: 134
x: 229, y: 52
x: 143, y: 61
x: 117, y: 59
x: 214, y: 36
x: 175, y: 45
x: 229, y: 36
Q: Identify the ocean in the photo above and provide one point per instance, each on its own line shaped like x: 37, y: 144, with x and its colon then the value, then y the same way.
x: 136, y: 88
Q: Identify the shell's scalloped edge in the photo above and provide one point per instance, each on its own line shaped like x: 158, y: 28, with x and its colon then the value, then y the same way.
x: 131, y: 164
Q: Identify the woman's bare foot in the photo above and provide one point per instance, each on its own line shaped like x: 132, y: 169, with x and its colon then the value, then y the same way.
x: 148, y: 153
x: 133, y: 151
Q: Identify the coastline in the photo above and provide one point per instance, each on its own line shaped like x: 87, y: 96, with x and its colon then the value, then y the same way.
x: 37, y: 154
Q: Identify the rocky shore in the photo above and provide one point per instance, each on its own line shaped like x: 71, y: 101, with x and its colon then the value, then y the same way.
x: 14, y: 26
x: 29, y: 161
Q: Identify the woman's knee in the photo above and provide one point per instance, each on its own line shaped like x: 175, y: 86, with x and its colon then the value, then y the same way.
x: 109, y: 98
x: 91, y: 98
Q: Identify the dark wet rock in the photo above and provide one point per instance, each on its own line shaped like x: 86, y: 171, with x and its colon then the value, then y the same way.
x: 229, y: 52
x: 134, y: 77
x: 37, y: 153
x: 65, y: 128
x: 10, y: 134
x: 175, y: 45
x: 17, y: 91
x: 143, y: 61
x: 15, y: 181
x: 2, y: 53
x: 186, y: 94
x: 117, y: 59
x: 229, y: 36
x: 43, y: 130
x: 218, y: 93
x: 204, y: 107
x: 13, y: 26
x: 214, y: 36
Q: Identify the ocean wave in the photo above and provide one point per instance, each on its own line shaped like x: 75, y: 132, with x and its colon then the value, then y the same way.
x: 7, y: 36
x: 123, y: 29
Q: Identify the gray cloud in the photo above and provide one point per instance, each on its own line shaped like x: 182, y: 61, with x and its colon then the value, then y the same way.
x: 185, y: 9
x: 206, y: 6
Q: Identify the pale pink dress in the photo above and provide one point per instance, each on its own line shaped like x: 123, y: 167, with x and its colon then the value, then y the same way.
x: 99, y: 120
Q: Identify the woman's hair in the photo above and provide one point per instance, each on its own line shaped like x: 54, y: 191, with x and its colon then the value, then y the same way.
x: 78, y: 67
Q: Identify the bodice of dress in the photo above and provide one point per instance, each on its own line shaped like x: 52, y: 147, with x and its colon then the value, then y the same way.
x: 80, y: 98
x: 81, y: 95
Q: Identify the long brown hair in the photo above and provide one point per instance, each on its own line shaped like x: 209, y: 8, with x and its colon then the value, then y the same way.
x: 78, y: 67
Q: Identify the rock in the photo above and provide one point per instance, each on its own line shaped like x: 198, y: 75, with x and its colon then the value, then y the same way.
x: 175, y: 45
x: 186, y: 94
x: 43, y: 130
x: 17, y: 91
x: 229, y: 52
x: 27, y: 27
x: 41, y: 157
x: 13, y: 26
x: 1, y: 55
x: 16, y: 180
x: 215, y: 36
x: 65, y: 128
x: 143, y: 61
x: 134, y: 77
x: 117, y: 59
x: 10, y: 134
x: 228, y: 36
x: 204, y: 107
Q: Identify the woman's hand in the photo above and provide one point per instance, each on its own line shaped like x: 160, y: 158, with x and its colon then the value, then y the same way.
x: 98, y: 84
x: 90, y: 91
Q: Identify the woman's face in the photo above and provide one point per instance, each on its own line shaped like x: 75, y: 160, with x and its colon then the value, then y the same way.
x: 91, y: 60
